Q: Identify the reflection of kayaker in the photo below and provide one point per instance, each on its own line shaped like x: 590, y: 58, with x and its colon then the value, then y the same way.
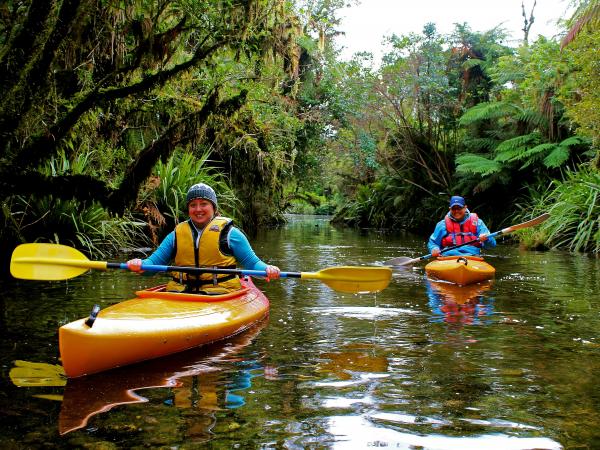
x: 85, y: 397
x: 241, y: 381
x: 466, y: 305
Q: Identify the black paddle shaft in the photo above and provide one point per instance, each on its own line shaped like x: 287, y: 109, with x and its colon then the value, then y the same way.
x: 185, y: 269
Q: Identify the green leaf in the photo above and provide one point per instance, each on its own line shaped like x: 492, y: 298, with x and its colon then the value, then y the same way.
x: 487, y: 111
x: 476, y: 164
x: 533, y: 154
x: 557, y: 157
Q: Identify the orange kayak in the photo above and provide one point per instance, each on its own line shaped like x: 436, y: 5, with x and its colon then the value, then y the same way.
x: 461, y: 270
x: 154, y: 324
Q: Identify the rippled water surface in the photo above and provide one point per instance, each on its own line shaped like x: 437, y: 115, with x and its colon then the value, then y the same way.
x: 511, y: 364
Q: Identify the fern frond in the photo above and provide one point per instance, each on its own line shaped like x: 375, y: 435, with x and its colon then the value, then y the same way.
x: 557, y: 157
x: 472, y: 62
x: 476, y: 164
x: 487, y: 111
x: 575, y: 140
x: 589, y: 16
x: 498, y: 134
x: 532, y: 118
x: 481, y: 144
x: 513, y: 149
x: 535, y: 154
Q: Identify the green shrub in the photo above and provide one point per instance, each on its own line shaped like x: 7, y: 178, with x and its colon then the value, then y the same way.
x: 574, y: 207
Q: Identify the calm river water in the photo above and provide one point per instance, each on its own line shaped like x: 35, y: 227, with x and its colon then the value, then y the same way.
x: 510, y: 365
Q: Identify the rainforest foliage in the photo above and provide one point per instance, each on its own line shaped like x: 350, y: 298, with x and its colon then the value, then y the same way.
x: 109, y: 110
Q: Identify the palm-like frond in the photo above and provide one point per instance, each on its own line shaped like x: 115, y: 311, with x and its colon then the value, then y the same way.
x: 589, y: 15
x: 536, y: 153
x: 479, y: 144
x: 487, y: 111
x: 557, y: 157
x: 515, y: 148
x: 476, y: 164
x: 532, y: 118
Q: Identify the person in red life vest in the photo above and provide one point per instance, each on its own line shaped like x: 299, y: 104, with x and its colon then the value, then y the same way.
x: 459, y: 226
x: 205, y: 240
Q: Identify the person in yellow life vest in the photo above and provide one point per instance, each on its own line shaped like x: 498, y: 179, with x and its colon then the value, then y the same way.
x: 205, y: 240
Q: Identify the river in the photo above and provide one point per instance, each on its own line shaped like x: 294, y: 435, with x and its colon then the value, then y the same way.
x: 513, y: 364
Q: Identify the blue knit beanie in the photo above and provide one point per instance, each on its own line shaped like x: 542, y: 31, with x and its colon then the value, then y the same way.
x: 201, y: 190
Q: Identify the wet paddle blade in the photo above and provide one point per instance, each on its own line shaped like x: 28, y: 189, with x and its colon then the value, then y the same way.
x: 401, y: 261
x: 353, y: 279
x: 47, y: 262
x: 26, y: 373
x: 529, y: 223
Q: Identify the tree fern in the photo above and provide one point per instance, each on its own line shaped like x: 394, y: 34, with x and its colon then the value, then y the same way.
x: 532, y: 118
x: 536, y: 153
x: 484, y: 143
x: 560, y: 154
x: 487, y: 111
x: 476, y: 164
x: 515, y: 148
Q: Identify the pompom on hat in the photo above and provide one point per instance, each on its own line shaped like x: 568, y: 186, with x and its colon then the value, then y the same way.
x: 201, y: 190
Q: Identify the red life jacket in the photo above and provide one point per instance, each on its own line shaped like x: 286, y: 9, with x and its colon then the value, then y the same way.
x: 459, y: 233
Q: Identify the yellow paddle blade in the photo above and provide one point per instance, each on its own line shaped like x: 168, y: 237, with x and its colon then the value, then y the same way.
x: 50, y: 262
x: 353, y: 279
x: 26, y: 373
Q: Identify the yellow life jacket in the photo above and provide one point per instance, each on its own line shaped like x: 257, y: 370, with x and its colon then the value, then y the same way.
x: 204, y: 248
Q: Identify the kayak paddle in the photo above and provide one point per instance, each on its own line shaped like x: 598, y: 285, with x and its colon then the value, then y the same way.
x: 405, y: 261
x: 60, y: 262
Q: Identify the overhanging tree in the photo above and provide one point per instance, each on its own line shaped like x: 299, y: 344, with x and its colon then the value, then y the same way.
x: 107, y: 71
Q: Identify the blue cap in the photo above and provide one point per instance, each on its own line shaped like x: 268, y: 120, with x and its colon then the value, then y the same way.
x: 457, y: 200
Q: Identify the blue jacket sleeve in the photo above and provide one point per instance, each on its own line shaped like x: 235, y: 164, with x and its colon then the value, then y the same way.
x: 165, y: 252
x: 435, y: 240
x: 481, y: 229
x: 243, y: 252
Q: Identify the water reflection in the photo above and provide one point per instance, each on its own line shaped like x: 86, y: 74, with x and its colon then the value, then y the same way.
x: 366, y: 433
x: 351, y: 360
x: 194, y: 378
x: 460, y: 305
x: 517, y: 369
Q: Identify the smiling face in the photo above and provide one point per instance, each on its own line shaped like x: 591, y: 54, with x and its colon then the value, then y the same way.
x: 201, y: 211
x: 458, y: 212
